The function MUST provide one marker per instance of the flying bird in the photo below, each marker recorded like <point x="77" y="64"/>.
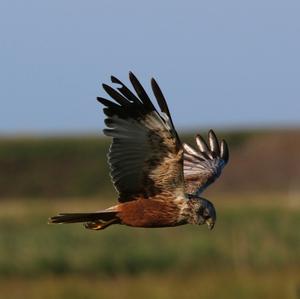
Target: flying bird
<point x="159" y="179"/>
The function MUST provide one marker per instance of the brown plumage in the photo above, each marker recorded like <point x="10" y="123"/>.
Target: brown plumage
<point x="158" y="178"/>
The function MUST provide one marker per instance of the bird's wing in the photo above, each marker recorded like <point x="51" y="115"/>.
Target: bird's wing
<point x="204" y="165"/>
<point x="146" y="156"/>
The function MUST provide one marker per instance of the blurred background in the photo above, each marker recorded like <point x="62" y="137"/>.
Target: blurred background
<point x="228" y="65"/>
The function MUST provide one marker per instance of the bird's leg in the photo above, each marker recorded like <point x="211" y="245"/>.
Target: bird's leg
<point x="98" y="225"/>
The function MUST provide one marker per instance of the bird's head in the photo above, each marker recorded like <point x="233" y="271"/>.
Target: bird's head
<point x="205" y="212"/>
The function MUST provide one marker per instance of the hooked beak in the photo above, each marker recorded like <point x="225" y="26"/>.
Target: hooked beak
<point x="210" y="223"/>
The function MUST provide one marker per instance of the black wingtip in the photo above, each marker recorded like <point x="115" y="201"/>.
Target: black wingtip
<point x="153" y="83"/>
<point x="131" y="76"/>
<point x="127" y="93"/>
<point x="104" y="86"/>
<point x="103" y="101"/>
<point x="224" y="151"/>
<point x="99" y="99"/>
<point x="115" y="80"/>
<point x="160" y="97"/>
<point x="119" y="98"/>
<point x="155" y="87"/>
<point x="213" y="142"/>
<point x="140" y="91"/>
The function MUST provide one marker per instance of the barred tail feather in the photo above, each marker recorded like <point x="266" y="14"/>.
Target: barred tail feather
<point x="96" y="221"/>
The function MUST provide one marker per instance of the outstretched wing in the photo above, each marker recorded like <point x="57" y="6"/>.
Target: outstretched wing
<point x="204" y="165"/>
<point x="145" y="157"/>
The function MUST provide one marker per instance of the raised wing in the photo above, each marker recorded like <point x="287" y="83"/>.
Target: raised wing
<point x="145" y="157"/>
<point x="204" y="165"/>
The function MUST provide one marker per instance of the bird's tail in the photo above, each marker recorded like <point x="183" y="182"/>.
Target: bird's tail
<point x="95" y="221"/>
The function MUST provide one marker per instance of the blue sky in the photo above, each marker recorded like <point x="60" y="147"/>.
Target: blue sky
<point x="220" y="64"/>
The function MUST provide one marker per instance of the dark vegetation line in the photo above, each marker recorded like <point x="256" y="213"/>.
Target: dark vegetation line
<point x="76" y="166"/>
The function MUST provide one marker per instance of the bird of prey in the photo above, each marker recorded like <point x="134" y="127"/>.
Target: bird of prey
<point x="159" y="179"/>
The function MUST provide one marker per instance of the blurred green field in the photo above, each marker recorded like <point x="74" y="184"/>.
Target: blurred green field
<point x="253" y="252"/>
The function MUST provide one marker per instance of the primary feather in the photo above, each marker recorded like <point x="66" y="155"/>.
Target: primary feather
<point x="204" y="165"/>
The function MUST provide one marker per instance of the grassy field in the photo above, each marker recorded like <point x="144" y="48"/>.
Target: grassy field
<point x="253" y="252"/>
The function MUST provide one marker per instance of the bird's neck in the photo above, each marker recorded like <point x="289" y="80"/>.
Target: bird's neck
<point x="188" y="211"/>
